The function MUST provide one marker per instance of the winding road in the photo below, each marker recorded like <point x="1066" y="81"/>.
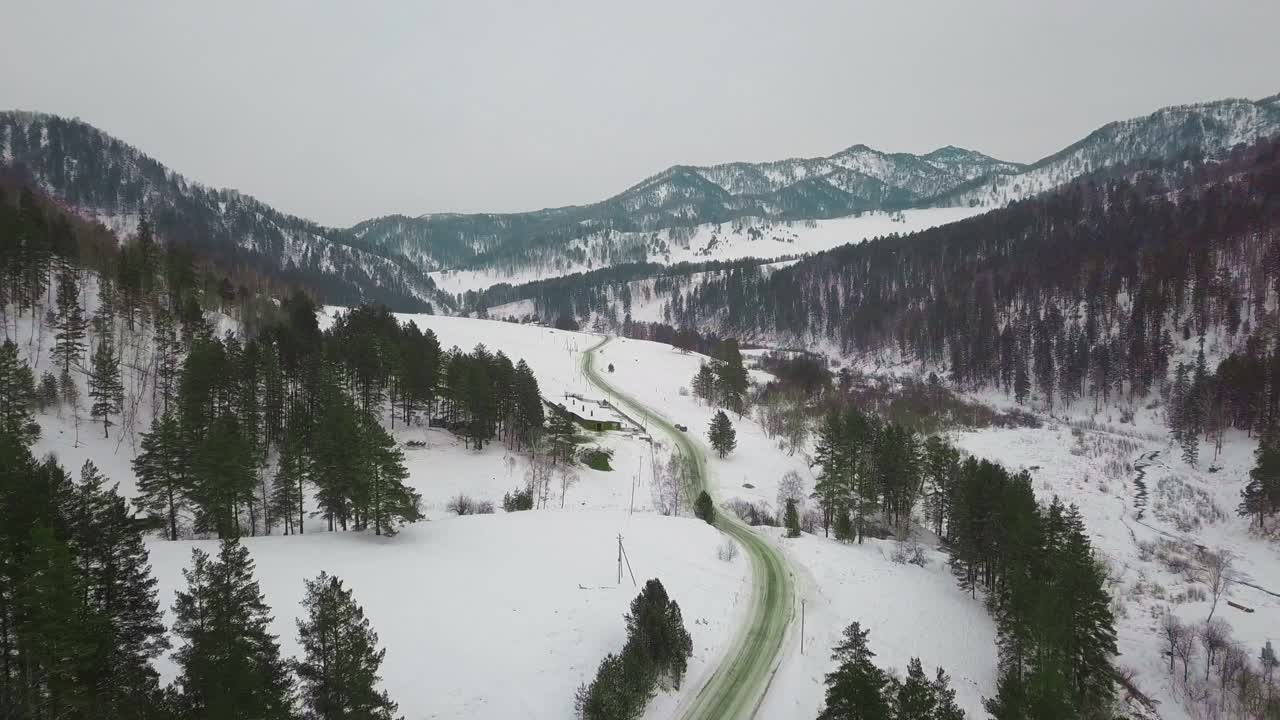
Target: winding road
<point x="738" y="685"/>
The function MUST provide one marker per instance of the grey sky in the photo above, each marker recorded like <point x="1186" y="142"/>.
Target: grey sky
<point x="343" y="111"/>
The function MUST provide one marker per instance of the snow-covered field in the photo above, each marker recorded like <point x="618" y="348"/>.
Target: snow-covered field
<point x="911" y="612"/>
<point x="749" y="238"/>
<point x="482" y="616"/>
<point x="497" y="616"/>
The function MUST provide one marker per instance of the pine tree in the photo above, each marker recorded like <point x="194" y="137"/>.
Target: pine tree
<point x="17" y="396"/>
<point x="704" y="382"/>
<point x="229" y="665"/>
<point x="69" y="323"/>
<point x="722" y="435"/>
<point x="704" y="509"/>
<point x="1261" y="495"/>
<point x="53" y="632"/>
<point x="47" y="394"/>
<point x="335" y="466"/>
<point x="731" y="376"/>
<point x="114" y="568"/>
<point x="791" y="518"/>
<point x="391" y="502"/>
<point x="563" y="436"/>
<point x="1021" y="381"/>
<point x="843" y="526"/>
<point x="914" y="697"/>
<point x="856" y="689"/>
<point x="163" y="478"/>
<point x="945" y="698"/>
<point x="293" y="472"/>
<point x="831" y="453"/>
<point x="339" y="670"/>
<point x="222" y="478"/>
<point x="1190" y="447"/>
<point x="104" y="383"/>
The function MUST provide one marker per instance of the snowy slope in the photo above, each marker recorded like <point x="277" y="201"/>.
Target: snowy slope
<point x="497" y="616"/>
<point x="740" y="239"/>
<point x="1209" y="128"/>
<point x="482" y="616"/>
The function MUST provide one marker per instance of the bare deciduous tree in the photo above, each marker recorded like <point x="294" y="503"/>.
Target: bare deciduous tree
<point x="1214" y="636"/>
<point x="538" y="477"/>
<point x="669" y="484"/>
<point x="791" y="487"/>
<point x="1185" y="649"/>
<point x="1172" y="629"/>
<point x="1218" y="575"/>
<point x="568" y="478"/>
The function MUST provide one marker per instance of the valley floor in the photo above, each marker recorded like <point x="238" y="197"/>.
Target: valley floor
<point x="505" y="615"/>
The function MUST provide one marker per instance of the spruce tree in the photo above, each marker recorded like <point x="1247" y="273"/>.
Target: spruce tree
<point x="229" y="665"/>
<point x="656" y="629"/>
<point x="704" y="509"/>
<point x="69" y="323"/>
<point x="732" y="380"/>
<point x="164" y="486"/>
<point x="721" y="434"/>
<point x="104" y="383"/>
<point x="791" y="518"/>
<point x="338" y="673"/>
<point x="856" y="688"/>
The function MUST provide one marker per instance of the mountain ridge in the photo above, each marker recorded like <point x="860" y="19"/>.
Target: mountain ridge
<point x="387" y="258"/>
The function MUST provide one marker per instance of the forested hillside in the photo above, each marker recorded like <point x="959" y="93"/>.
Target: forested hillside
<point x="101" y="178"/>
<point x="1094" y="291"/>
<point x="387" y="259"/>
<point x="249" y="420"/>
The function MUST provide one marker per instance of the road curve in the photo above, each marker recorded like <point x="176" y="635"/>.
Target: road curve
<point x="739" y="683"/>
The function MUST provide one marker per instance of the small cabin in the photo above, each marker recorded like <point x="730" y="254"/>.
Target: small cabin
<point x="587" y="415"/>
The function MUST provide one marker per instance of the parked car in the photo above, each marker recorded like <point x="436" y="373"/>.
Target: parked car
<point x="681" y="428"/>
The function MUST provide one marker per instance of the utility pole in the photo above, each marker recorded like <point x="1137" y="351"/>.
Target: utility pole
<point x="801" y="625"/>
<point x="622" y="556"/>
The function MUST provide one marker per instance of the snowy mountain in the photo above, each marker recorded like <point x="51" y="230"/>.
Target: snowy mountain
<point x="851" y="181"/>
<point x="1205" y="128"/>
<point x="391" y="258"/>
<point x="104" y="179"/>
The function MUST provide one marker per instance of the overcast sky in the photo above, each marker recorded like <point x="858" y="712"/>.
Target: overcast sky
<point x="343" y="111"/>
